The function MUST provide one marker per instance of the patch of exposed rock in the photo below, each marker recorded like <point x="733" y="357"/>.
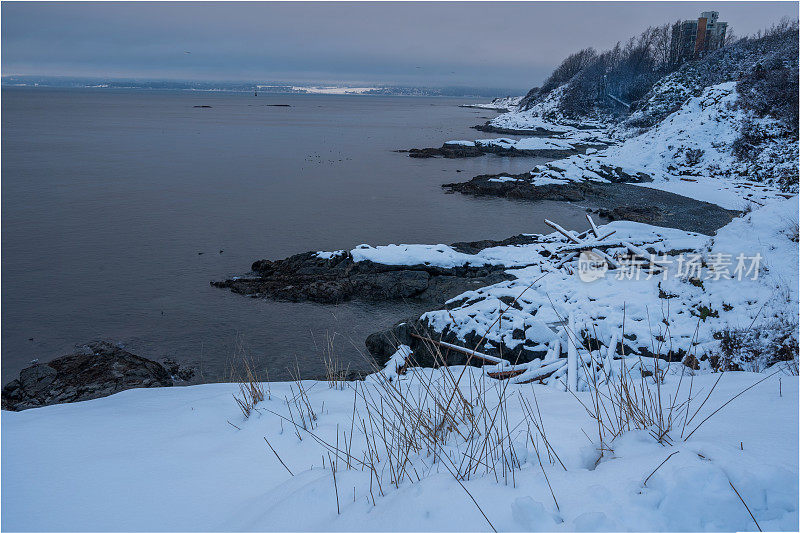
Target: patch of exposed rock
<point x="102" y="369"/>
<point x="646" y="214"/>
<point x="448" y="151"/>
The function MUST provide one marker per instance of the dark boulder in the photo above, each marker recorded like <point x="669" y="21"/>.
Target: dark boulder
<point x="100" y="370"/>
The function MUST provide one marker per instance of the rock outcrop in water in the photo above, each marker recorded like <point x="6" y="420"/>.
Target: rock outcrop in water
<point x="455" y="150"/>
<point x="101" y="370"/>
<point x="309" y="277"/>
<point x="448" y="151"/>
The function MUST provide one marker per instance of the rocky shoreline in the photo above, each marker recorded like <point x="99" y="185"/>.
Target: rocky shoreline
<point x="102" y="368"/>
<point x="382" y="345"/>
<point x="331" y="278"/>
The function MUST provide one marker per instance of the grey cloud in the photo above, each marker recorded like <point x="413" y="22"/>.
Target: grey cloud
<point x="512" y="44"/>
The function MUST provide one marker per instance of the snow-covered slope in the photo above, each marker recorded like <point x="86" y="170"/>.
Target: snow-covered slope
<point x="185" y="459"/>
<point x="705" y="288"/>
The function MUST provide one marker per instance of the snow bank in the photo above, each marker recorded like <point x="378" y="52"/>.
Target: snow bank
<point x="439" y="255"/>
<point x="528" y="143"/>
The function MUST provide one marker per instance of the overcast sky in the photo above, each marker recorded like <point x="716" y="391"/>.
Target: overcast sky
<point x="512" y="45"/>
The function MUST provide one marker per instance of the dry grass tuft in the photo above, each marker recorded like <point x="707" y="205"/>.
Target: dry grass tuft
<point x="243" y="371"/>
<point x="335" y="371"/>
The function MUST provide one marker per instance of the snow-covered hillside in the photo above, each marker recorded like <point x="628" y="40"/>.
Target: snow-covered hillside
<point x="690" y="152"/>
<point x="545" y="114"/>
<point x="728" y="64"/>
<point x="731" y="113"/>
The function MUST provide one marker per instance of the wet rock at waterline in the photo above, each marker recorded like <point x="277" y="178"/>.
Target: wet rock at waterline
<point x="101" y="369"/>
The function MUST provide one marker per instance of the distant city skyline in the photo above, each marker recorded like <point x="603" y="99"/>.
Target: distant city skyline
<point x="477" y="44"/>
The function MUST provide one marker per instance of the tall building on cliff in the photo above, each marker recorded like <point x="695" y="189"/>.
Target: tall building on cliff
<point x="694" y="38"/>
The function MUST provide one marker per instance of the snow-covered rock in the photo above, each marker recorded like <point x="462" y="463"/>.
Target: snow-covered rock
<point x="506" y="103"/>
<point x="705" y="288"/>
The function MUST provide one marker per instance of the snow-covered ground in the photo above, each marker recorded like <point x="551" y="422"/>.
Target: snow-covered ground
<point x="171" y="460"/>
<point x="745" y="276"/>
<point x="528" y="143"/>
<point x="440" y="255"/>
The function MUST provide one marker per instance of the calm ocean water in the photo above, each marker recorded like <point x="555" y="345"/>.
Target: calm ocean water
<point x="109" y="197"/>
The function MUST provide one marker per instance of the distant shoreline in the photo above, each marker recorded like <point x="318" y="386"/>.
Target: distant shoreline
<point x="250" y="88"/>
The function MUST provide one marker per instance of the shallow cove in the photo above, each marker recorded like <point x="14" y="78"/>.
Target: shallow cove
<point x="110" y="196"/>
